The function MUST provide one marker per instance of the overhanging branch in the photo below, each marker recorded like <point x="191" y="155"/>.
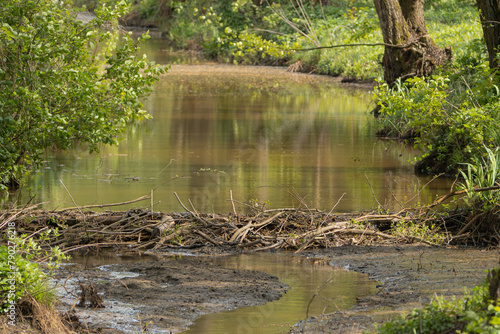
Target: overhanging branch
<point x="354" y="45"/>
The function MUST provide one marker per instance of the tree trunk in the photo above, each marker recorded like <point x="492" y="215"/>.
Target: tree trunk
<point x="409" y="50"/>
<point x="413" y="12"/>
<point x="489" y="14"/>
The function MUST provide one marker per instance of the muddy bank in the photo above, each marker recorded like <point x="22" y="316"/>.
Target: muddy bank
<point x="164" y="295"/>
<point x="169" y="294"/>
<point x="409" y="276"/>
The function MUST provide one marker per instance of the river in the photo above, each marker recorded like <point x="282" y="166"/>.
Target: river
<point x="271" y="138"/>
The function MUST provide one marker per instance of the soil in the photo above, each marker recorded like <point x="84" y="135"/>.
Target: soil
<point x="169" y="294"/>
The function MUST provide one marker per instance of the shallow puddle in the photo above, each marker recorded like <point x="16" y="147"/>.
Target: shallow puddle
<point x="316" y="288"/>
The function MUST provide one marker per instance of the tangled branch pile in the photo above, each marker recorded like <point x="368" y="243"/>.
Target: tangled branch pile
<point x="296" y="229"/>
<point x="142" y="229"/>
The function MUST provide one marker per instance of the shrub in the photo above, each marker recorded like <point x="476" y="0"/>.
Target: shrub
<point x="453" y="119"/>
<point x="21" y="273"/>
<point x="63" y="81"/>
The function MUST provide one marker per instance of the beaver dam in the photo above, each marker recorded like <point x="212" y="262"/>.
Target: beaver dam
<point x="277" y="229"/>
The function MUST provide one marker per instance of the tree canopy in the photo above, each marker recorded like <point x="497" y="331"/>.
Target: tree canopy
<point x="65" y="81"/>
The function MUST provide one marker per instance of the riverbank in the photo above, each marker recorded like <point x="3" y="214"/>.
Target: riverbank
<point x="162" y="293"/>
<point x="409" y="275"/>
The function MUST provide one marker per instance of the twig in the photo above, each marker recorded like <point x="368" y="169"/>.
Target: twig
<point x="184" y="207"/>
<point x="152" y="202"/>
<point x="476" y="217"/>
<point x="194" y="209"/>
<point x="11" y="218"/>
<point x="425" y="185"/>
<point x="195" y="215"/>
<point x="76" y="205"/>
<point x="316" y="294"/>
<point x="250" y="225"/>
<point x="373" y="193"/>
<point x="396" y="46"/>
<point x="460" y="192"/>
<point x="35" y="233"/>
<point x="142" y="198"/>
<point x="234" y="208"/>
<point x="121" y="233"/>
<point x="333" y="208"/>
<point x="245" y="204"/>
<point x="213" y="241"/>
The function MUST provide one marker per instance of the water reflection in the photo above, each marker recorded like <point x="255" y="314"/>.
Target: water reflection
<point x="266" y="134"/>
<point x="335" y="290"/>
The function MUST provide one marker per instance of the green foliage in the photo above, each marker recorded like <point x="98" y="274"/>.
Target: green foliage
<point x="483" y="173"/>
<point x="475" y="312"/>
<point x="29" y="279"/>
<point x="424" y="231"/>
<point x="20" y="271"/>
<point x="63" y="81"/>
<point x="454" y="116"/>
<point x="253" y="32"/>
<point x="227" y="30"/>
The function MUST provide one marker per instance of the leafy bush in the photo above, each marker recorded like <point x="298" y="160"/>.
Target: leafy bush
<point x="63" y="81"/>
<point x="20" y="271"/>
<point x="453" y="124"/>
<point x="29" y="279"/>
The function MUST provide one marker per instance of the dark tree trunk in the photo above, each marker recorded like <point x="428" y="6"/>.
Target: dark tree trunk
<point x="413" y="12"/>
<point x="409" y="50"/>
<point x="489" y="13"/>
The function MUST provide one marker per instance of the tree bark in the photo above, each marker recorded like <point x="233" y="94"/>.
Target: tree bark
<point x="409" y="50"/>
<point x="413" y="12"/>
<point x="489" y="14"/>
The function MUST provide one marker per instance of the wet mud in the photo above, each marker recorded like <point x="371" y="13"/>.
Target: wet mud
<point x="165" y="295"/>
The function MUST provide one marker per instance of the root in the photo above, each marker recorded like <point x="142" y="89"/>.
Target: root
<point x="43" y="318"/>
<point x="88" y="293"/>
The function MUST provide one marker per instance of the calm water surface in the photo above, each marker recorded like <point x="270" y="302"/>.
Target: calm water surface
<point x="271" y="137"/>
